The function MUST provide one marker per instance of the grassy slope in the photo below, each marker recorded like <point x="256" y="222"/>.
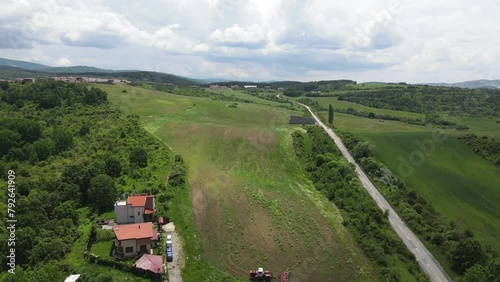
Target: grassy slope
<point x="460" y="184"/>
<point x="252" y="203"/>
<point x="336" y="104"/>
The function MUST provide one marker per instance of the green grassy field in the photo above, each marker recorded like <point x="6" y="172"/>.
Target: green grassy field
<point x="460" y="184"/>
<point x="240" y="94"/>
<point x="252" y="203"/>
<point x="336" y="104"/>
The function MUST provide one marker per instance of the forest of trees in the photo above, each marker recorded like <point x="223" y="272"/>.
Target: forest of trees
<point x="430" y="99"/>
<point x="335" y="178"/>
<point x="74" y="155"/>
<point x="460" y="247"/>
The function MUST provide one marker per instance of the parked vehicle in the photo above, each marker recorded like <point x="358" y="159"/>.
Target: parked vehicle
<point x="169" y="241"/>
<point x="170" y="256"/>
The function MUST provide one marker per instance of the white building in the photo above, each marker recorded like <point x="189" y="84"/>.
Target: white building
<point x="134" y="239"/>
<point x="136" y="209"/>
<point x="250" y="86"/>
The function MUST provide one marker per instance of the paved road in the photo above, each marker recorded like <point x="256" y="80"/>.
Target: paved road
<point x="174" y="267"/>
<point x="424" y="258"/>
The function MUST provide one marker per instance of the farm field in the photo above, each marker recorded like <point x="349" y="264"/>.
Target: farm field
<point x="336" y="104"/>
<point x="252" y="203"/>
<point x="460" y="184"/>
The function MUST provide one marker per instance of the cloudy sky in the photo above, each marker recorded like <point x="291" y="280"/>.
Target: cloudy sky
<point x="382" y="40"/>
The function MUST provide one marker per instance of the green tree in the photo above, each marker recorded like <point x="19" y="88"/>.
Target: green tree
<point x="84" y="130"/>
<point x="362" y="150"/>
<point x="330" y="114"/>
<point x="8" y="139"/>
<point x="139" y="156"/>
<point x="467" y="253"/>
<point x="4" y="85"/>
<point x="477" y="273"/>
<point x="66" y="210"/>
<point x="113" y="166"/>
<point x="63" y="139"/>
<point x="49" y="101"/>
<point x="44" y="148"/>
<point x="102" y="192"/>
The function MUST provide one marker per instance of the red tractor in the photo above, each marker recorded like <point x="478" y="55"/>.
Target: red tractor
<point x="260" y="275"/>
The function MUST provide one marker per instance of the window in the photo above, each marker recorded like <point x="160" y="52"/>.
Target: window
<point x="129" y="249"/>
<point x="131" y="216"/>
<point x="138" y="213"/>
<point x="143" y="248"/>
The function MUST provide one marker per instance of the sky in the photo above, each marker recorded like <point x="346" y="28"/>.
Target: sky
<point x="262" y="40"/>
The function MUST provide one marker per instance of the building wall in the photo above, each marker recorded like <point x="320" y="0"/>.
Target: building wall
<point x="128" y="243"/>
<point x="146" y="242"/>
<point x="121" y="212"/>
<point x="138" y="213"/>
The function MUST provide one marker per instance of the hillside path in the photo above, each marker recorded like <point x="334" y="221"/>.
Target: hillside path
<point x="424" y="258"/>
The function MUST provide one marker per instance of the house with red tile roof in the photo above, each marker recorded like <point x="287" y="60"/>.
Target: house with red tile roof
<point x="134" y="239"/>
<point x="136" y="209"/>
<point x="151" y="263"/>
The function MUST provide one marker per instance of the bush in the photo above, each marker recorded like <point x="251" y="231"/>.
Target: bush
<point x="139" y="156"/>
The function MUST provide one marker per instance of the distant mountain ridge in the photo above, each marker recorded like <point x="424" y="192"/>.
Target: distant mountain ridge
<point x="12" y="69"/>
<point x="482" y="83"/>
<point x="21" y="64"/>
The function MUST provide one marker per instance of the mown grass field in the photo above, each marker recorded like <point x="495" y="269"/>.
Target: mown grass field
<point x="252" y="203"/>
<point x="461" y="185"/>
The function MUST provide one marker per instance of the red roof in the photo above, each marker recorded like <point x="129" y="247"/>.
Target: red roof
<point x="133" y="231"/>
<point x="150" y="262"/>
<point x="137" y="201"/>
<point x="141" y="201"/>
<point x="147" y="211"/>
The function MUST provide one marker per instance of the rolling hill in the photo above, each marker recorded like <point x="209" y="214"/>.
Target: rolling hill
<point x="11" y="69"/>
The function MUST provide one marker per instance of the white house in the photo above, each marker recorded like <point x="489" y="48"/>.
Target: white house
<point x="134" y="239"/>
<point x="250" y="86"/>
<point x="137" y="209"/>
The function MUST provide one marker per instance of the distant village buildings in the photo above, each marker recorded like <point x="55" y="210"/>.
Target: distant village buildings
<point x="89" y="79"/>
<point x="74" y="79"/>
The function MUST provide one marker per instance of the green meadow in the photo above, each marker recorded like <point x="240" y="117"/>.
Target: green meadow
<point x="461" y="185"/>
<point x="252" y="204"/>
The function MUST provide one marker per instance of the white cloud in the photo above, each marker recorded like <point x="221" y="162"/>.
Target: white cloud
<point x="386" y="39"/>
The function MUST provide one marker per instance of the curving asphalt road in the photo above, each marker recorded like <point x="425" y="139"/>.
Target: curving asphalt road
<point x="424" y="258"/>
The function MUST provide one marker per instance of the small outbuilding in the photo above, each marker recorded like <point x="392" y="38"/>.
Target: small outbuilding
<point x="152" y="263"/>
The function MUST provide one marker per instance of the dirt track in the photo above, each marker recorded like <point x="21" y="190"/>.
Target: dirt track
<point x="174" y="267"/>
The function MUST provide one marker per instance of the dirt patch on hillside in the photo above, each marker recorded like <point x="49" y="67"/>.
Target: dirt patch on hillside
<point x="256" y="137"/>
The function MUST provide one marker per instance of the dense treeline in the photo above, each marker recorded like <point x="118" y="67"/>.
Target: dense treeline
<point x="322" y="85"/>
<point x="295" y="90"/>
<point x="486" y="147"/>
<point x="72" y="161"/>
<point x="334" y="176"/>
<point x="425" y="99"/>
<point x="460" y="247"/>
